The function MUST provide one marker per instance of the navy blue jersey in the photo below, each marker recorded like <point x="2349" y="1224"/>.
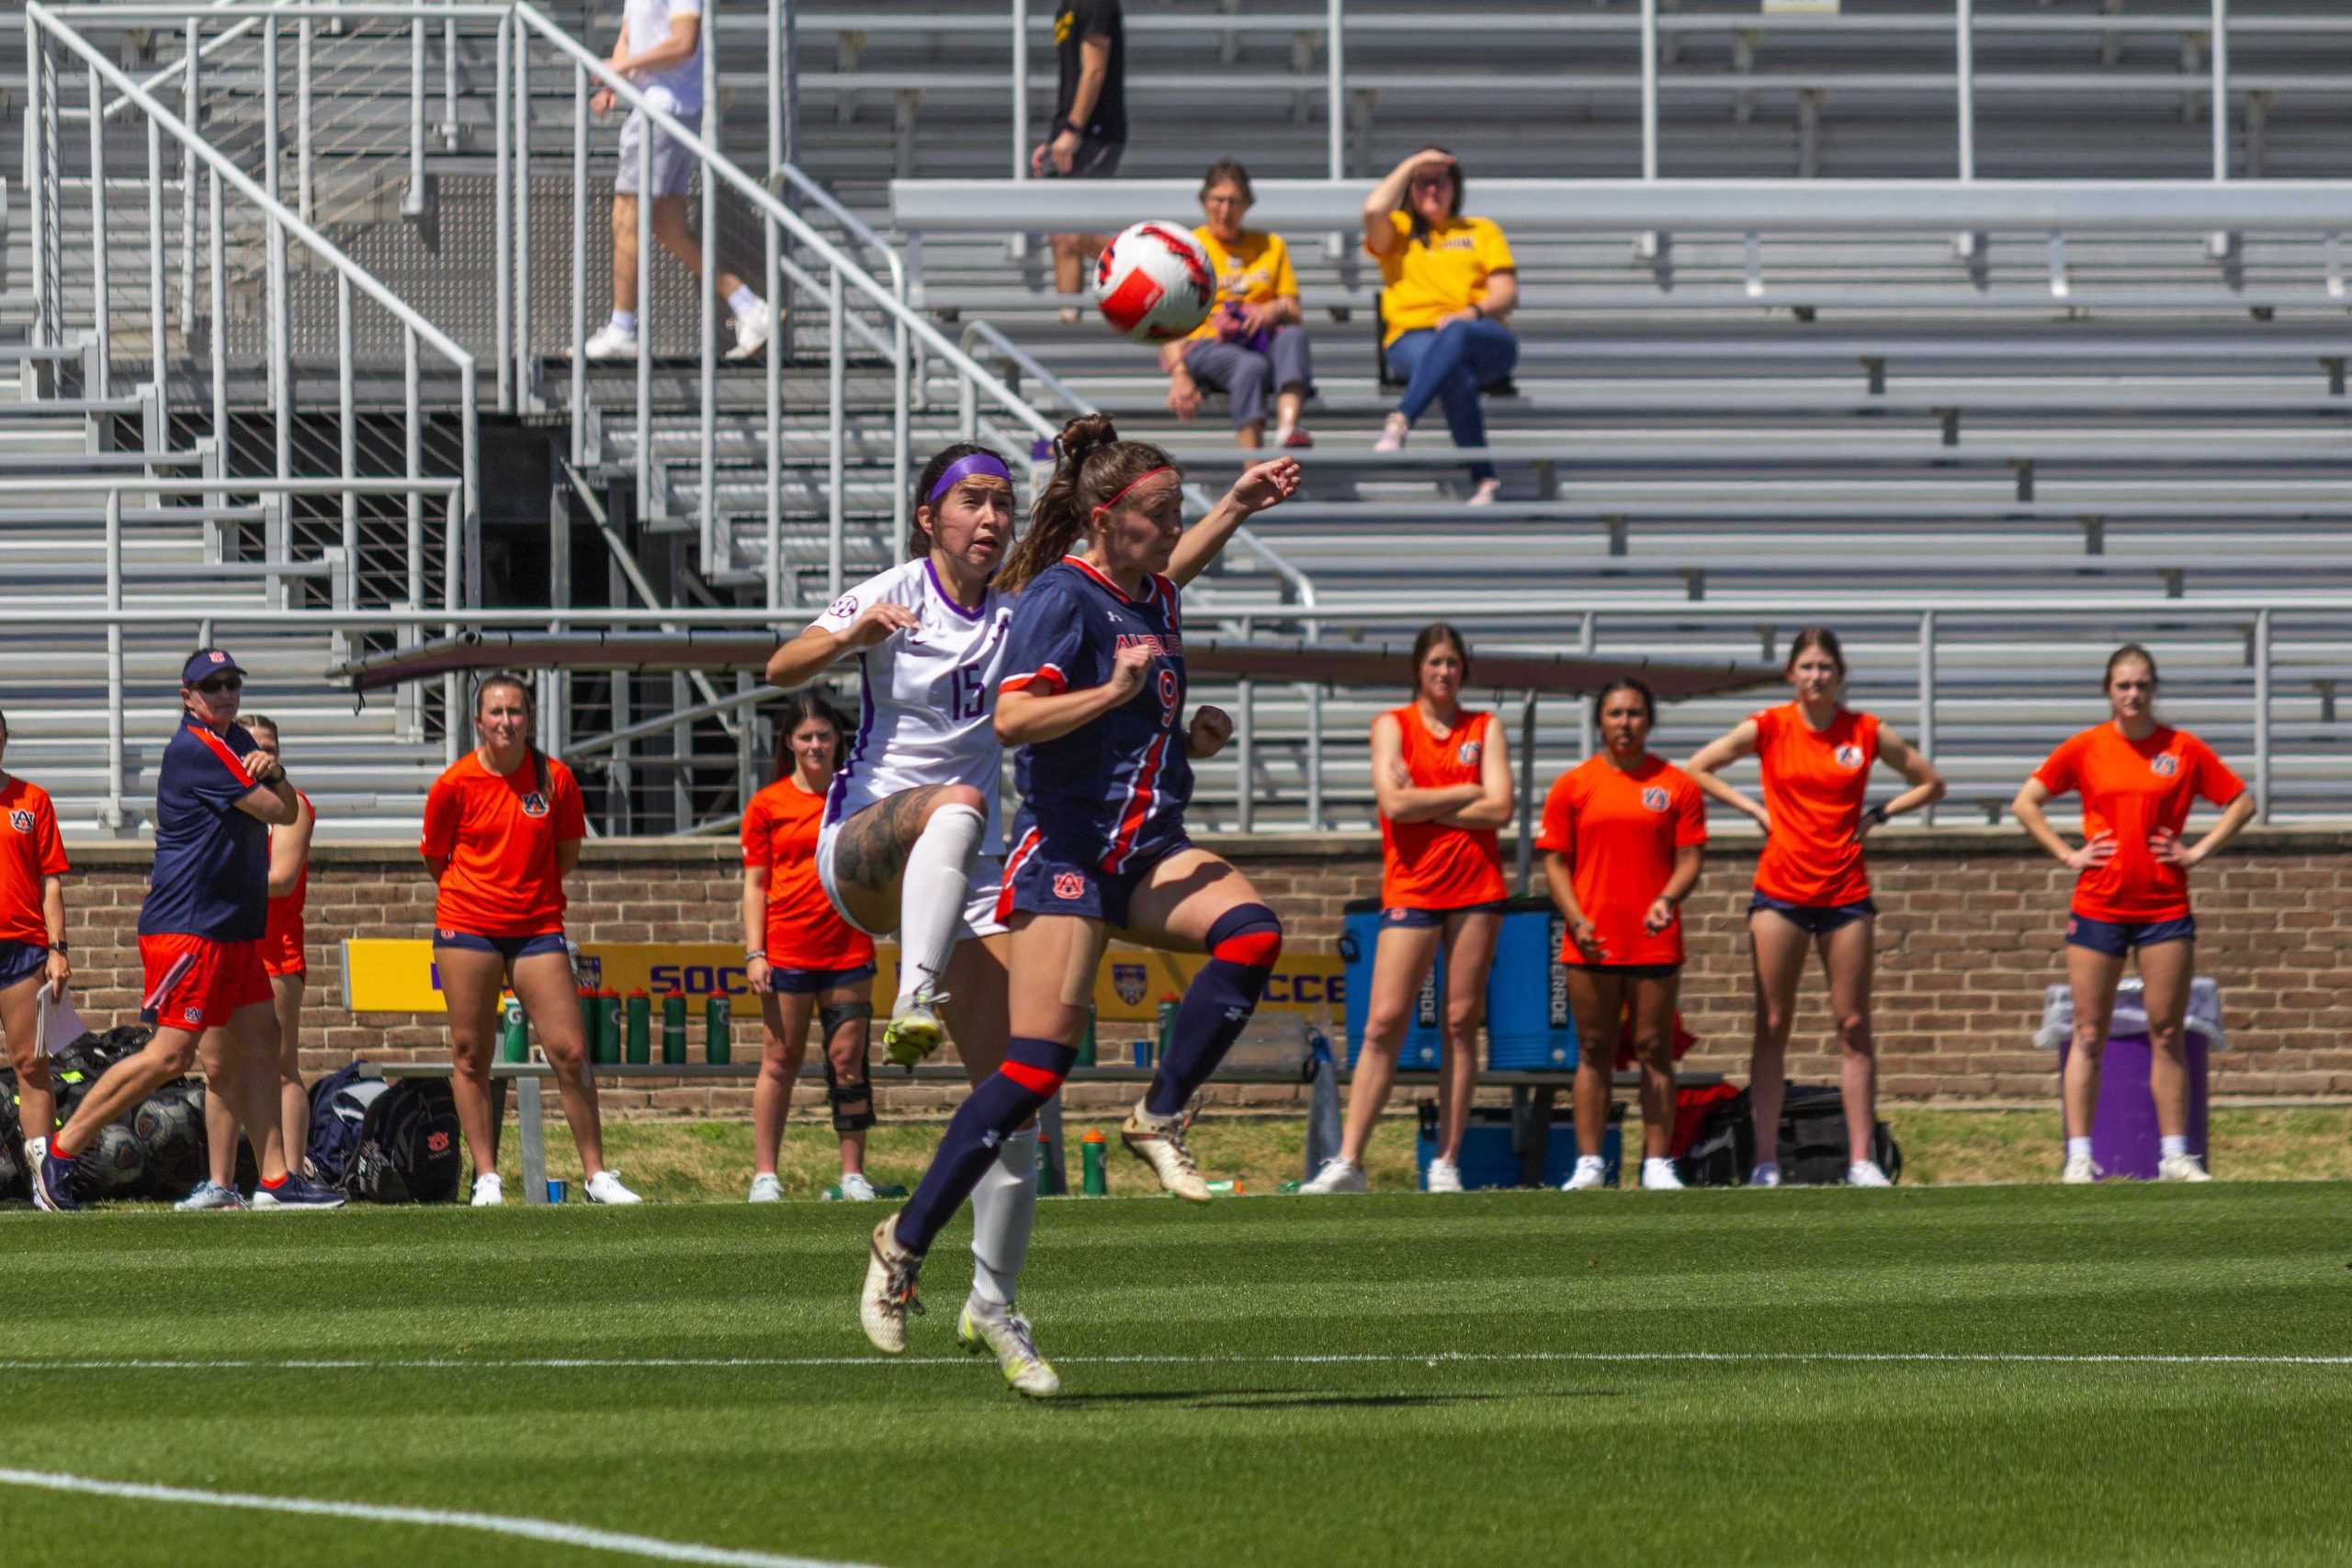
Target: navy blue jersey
<point x="1113" y="791"/>
<point x="211" y="875"/>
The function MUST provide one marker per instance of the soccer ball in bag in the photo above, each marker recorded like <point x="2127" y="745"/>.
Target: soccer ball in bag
<point x="1153" y="283"/>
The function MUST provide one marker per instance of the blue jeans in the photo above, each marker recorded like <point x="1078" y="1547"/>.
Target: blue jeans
<point x="1449" y="365"/>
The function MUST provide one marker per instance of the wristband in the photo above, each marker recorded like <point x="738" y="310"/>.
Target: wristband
<point x="760" y="952"/>
<point x="59" y="946"/>
<point x="1877" y="815"/>
<point x="1073" y="127"/>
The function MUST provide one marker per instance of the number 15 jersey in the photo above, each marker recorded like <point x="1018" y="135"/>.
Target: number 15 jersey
<point x="927" y="696"/>
<point x="1112" y="792"/>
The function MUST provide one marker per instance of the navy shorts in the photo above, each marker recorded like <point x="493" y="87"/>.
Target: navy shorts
<point x="1631" y="971"/>
<point x="1410" y="917"/>
<point x="1040" y="881"/>
<point x="808" y="981"/>
<point x="20" y="961"/>
<point x="510" y="948"/>
<point x="1815" y="919"/>
<point x="2118" y="938"/>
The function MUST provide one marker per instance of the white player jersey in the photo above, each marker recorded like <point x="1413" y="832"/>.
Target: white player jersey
<point x="927" y="696"/>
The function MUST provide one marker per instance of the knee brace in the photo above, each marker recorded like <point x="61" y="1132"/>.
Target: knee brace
<point x="831" y="1017"/>
<point x="852" y="1103"/>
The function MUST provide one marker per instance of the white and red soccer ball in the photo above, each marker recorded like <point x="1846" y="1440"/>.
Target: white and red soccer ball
<point x="1154" y="283"/>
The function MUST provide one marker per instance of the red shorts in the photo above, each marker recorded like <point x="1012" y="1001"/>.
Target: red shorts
<point x="219" y="978"/>
<point x="281" y="951"/>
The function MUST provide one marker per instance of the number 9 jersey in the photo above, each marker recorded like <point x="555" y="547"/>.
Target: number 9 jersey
<point x="1110" y="794"/>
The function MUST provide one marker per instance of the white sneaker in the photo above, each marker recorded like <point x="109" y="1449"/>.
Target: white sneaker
<point x="1159" y="1142"/>
<point x="855" y="1189"/>
<point x="1658" y="1176"/>
<point x="751" y="331"/>
<point x="766" y="1188"/>
<point x="608" y="342"/>
<point x="888" y="1296"/>
<point x="208" y="1195"/>
<point x="1591" y="1171"/>
<point x="2079" y="1171"/>
<point x="985" y="1324"/>
<point x="1392" y="433"/>
<point x="2182" y="1167"/>
<point x="1444" y="1177"/>
<point x="1765" y="1175"/>
<point x="914" y="1029"/>
<point x="489" y="1191"/>
<point x="1339" y="1175"/>
<point x="1488" y="492"/>
<point x="605" y="1187"/>
<point x="1866" y="1173"/>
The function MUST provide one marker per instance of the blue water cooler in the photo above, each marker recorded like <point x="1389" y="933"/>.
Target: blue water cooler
<point x="1359" y="937"/>
<point x="1529" y="1026"/>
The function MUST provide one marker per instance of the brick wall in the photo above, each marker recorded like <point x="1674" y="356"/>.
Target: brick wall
<point x="1969" y="935"/>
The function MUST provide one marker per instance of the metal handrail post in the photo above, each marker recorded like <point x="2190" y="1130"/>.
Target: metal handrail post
<point x="415" y="202"/>
<point x="99" y="247"/>
<point x="2262" y="714"/>
<point x="503" y="217"/>
<point x="1588" y="641"/>
<point x="113" y="816"/>
<point x="1244" y="732"/>
<point x="191" y="110"/>
<point x="645" y="324"/>
<point x="2218" y="56"/>
<point x="1335" y="89"/>
<point x="218" y="281"/>
<point x="772" y="290"/>
<point x="449" y="82"/>
<point x="1965" y="83"/>
<point x="1926" y="736"/>
<point x="836" y="385"/>
<point x="1650" y="89"/>
<point x="412" y="713"/>
<point x="303" y="189"/>
<point x="281" y="368"/>
<point x="39" y="147"/>
<point x="347" y="416"/>
<point x="1523" y="851"/>
<point x="576" y="331"/>
<point x="1020" y="89"/>
<point x="707" y="522"/>
<point x="524" y="359"/>
<point x="158" y="292"/>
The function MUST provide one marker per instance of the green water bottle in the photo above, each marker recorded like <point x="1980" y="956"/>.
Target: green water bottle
<point x="673" y="1028"/>
<point x="1096" y="1181"/>
<point x="608" y="1027"/>
<point x="718" y="1030"/>
<point x="1044" y="1164"/>
<point x="513" y="1032"/>
<point x="640" y="1029"/>
<point x="1086" y="1040"/>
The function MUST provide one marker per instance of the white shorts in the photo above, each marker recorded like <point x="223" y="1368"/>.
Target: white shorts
<point x="979" y="902"/>
<point x="674" y="163"/>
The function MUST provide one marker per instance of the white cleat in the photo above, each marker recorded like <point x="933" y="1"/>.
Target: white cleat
<point x="986" y="1325"/>
<point x="891" y="1272"/>
<point x="609" y="343"/>
<point x="2182" y="1167"/>
<point x="855" y="1189"/>
<point x="605" y="1187"/>
<point x="2079" y="1171"/>
<point x="1339" y="1174"/>
<point x="1444" y="1177"/>
<point x="1866" y="1173"/>
<point x="914" y="1029"/>
<point x="208" y="1195"/>
<point x="489" y="1191"/>
<point x="1591" y="1171"/>
<point x="1765" y="1175"/>
<point x="1658" y="1176"/>
<point x="752" y="329"/>
<point x="766" y="1188"/>
<point x="1159" y="1142"/>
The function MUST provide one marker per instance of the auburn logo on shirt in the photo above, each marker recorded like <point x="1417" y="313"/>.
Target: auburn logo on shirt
<point x="1849" y="755"/>
<point x="2164" y="763"/>
<point x="1654" y="798"/>
<point x="1469" y="751"/>
<point x="1069" y="885"/>
<point x="535" y="805"/>
<point x="21" y="820"/>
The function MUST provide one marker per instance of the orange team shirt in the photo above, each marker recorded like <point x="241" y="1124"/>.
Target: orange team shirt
<point x="499" y="835"/>
<point x="286" y="932"/>
<point x="1813" y="785"/>
<point x="30" y="851"/>
<point x="1620" y="831"/>
<point x="2131" y="788"/>
<point x="1428" y="865"/>
<point x="805" y="931"/>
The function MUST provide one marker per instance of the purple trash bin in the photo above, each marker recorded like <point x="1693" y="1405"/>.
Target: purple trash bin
<point x="2123" y="1127"/>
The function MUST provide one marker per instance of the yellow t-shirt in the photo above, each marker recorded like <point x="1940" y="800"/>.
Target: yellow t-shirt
<point x="1253" y="272"/>
<point x="1430" y="278"/>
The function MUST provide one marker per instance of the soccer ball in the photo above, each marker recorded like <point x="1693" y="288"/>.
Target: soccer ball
<point x="113" y="1165"/>
<point x="170" y="1129"/>
<point x="1154" y="284"/>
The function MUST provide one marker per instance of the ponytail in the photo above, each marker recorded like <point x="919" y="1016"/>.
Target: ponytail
<point x="1091" y="465"/>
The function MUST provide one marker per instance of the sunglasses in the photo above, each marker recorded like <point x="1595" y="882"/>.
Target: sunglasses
<point x="220" y="684"/>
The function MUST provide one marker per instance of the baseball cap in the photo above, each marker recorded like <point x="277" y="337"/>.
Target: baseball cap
<point x="206" y="663"/>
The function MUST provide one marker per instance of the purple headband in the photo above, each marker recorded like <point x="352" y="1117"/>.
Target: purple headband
<point x="963" y="467"/>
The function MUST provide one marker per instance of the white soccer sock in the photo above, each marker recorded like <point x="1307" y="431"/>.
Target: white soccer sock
<point x="743" y="301"/>
<point x="625" y="322"/>
<point x="931" y="896"/>
<point x="2173" y="1144"/>
<point x="2079" y="1148"/>
<point x="1004" y="1211"/>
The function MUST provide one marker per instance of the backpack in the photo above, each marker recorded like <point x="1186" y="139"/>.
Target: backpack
<point x="1714" y="1136"/>
<point x="14" y="1176"/>
<point x="385" y="1141"/>
<point x="1813" y="1139"/>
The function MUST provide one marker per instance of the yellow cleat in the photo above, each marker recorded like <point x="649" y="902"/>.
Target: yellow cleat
<point x="1008" y="1334"/>
<point x="914" y="1029"/>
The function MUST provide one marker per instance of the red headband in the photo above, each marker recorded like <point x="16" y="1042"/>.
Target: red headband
<point x="1131" y="484"/>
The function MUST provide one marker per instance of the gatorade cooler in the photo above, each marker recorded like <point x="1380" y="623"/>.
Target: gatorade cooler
<point x="1489" y="1158"/>
<point x="1529" y="1026"/>
<point x="1359" y="937"/>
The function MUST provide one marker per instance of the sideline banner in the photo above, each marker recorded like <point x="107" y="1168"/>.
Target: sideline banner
<point x="384" y="975"/>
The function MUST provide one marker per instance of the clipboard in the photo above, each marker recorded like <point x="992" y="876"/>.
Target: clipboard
<point x="55" y="1019"/>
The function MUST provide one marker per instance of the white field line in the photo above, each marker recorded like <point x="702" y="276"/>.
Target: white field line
<point x="1429" y="1359"/>
<point x="578" y="1537"/>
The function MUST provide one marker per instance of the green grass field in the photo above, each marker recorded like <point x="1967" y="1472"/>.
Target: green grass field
<point x="1799" y="1377"/>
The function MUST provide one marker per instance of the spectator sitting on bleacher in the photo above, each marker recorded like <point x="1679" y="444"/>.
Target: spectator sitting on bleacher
<point x="1447" y="284"/>
<point x="1254" y="340"/>
<point x="660" y="50"/>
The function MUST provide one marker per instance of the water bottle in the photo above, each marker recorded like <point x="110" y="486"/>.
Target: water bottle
<point x="718" y="1030"/>
<point x="1096" y="1181"/>
<point x="673" y="1028"/>
<point x="640" y="1029"/>
<point x="515" y="1031"/>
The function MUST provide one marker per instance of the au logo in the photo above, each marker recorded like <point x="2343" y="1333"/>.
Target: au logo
<point x="1069" y="885"/>
<point x="1130" y="980"/>
<point x="535" y="805"/>
<point x="1849" y="755"/>
<point x="21" y="820"/>
<point x="1654" y="798"/>
<point x="438" y="1143"/>
<point x="2164" y="763"/>
<point x="1469" y="752"/>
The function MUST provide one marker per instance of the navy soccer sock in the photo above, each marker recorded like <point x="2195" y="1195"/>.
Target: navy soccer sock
<point x="1243" y="945"/>
<point x="999" y="1105"/>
